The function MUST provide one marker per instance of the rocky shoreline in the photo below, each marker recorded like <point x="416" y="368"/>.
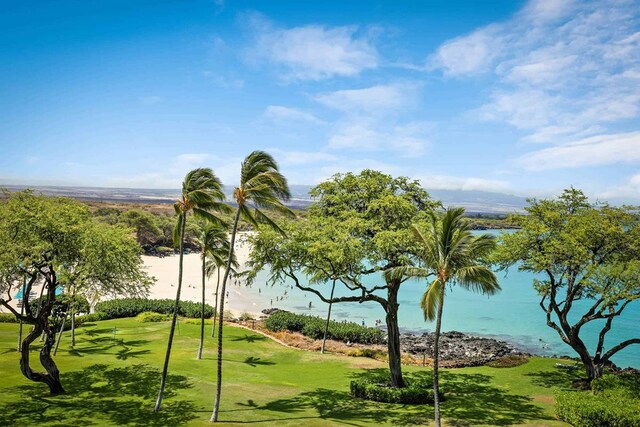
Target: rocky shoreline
<point x="458" y="349"/>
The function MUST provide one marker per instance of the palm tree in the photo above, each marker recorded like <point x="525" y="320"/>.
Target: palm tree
<point x="262" y="185"/>
<point x="201" y="195"/>
<point x="214" y="246"/>
<point x="217" y="258"/>
<point x="451" y="253"/>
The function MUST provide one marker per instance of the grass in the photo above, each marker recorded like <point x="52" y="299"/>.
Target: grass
<point x="113" y="379"/>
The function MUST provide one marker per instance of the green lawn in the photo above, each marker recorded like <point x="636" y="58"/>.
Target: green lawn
<point x="114" y="381"/>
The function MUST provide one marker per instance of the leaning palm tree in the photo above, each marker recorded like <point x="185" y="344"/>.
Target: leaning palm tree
<point x="217" y="258"/>
<point x="451" y="253"/>
<point x="202" y="196"/>
<point x="264" y="187"/>
<point x="214" y="246"/>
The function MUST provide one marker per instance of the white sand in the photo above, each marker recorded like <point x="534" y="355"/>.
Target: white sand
<point x="165" y="271"/>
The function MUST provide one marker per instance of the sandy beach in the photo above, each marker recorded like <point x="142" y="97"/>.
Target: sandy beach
<point x="165" y="271"/>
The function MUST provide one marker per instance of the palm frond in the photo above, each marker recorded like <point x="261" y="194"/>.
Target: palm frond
<point x="477" y="278"/>
<point x="402" y="272"/>
<point x="431" y="300"/>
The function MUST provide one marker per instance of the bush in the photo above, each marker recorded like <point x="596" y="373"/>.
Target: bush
<point x="377" y="388"/>
<point x="8" y="318"/>
<point x="313" y="327"/>
<point x="149" y="316"/>
<point x="614" y="402"/>
<point x="131" y="307"/>
<point x="246" y="316"/>
<point x="87" y="318"/>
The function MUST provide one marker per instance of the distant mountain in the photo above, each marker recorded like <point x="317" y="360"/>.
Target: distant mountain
<point x="472" y="201"/>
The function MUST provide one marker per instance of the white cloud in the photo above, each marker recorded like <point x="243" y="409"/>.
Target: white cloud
<point x="446" y="182"/>
<point x="382" y="97"/>
<point x="469" y="54"/>
<point x="630" y="191"/>
<point x="280" y="113"/>
<point x="591" y="151"/>
<point x="314" y="52"/>
<point x="302" y="157"/>
<point x="365" y="134"/>
<point x="564" y="70"/>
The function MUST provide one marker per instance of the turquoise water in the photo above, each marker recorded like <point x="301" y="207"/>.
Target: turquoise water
<point x="513" y="314"/>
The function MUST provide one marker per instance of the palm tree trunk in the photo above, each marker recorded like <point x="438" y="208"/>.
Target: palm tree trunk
<point x="73" y="329"/>
<point x="216" y="406"/>
<point x="202" y="311"/>
<point x="215" y="310"/>
<point x="64" y="320"/>
<point x="174" y="319"/>
<point x="436" y="361"/>
<point x="326" y="327"/>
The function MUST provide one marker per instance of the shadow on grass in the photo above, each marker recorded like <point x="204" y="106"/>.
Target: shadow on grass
<point x="250" y="338"/>
<point x="255" y="361"/>
<point x="561" y="378"/>
<point x="471" y="399"/>
<point x="108" y="345"/>
<point x="98" y="393"/>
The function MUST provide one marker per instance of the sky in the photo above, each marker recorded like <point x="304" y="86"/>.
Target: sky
<point x="519" y="97"/>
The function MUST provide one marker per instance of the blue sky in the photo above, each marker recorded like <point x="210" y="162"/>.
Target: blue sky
<point x="522" y="97"/>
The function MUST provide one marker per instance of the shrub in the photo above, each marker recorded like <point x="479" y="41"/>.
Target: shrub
<point x="510" y="361"/>
<point x="8" y="318"/>
<point x="149" y="316"/>
<point x="246" y="316"/>
<point x="131" y="307"/>
<point x="87" y="318"/>
<point x="613" y="403"/>
<point x="313" y="327"/>
<point x="377" y="388"/>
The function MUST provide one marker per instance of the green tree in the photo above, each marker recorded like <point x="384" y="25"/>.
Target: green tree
<point x="449" y="252"/>
<point x="202" y="196"/>
<point x="217" y="258"/>
<point x="44" y="240"/>
<point x="146" y="225"/>
<point x="588" y="260"/>
<point x="358" y="226"/>
<point x="263" y="187"/>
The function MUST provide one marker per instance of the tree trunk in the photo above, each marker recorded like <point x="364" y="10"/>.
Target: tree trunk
<point x="172" y="331"/>
<point x="202" y="311"/>
<point x="326" y="327"/>
<point x="215" y="310"/>
<point x="64" y="321"/>
<point x="216" y="406"/>
<point x="20" y="330"/>
<point x="52" y="376"/>
<point x="436" y="361"/>
<point x="73" y="329"/>
<point x="592" y="368"/>
<point x="393" y="336"/>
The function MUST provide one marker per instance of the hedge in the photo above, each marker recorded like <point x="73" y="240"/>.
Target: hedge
<point x="377" y="388"/>
<point x="131" y="307"/>
<point x="8" y="318"/>
<point x="313" y="327"/>
<point x="614" y="402"/>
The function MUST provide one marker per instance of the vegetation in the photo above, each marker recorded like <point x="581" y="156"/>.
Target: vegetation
<point x="314" y="327"/>
<point x="51" y="243"/>
<point x="377" y="388"/>
<point x="131" y="307"/>
<point x="614" y="402"/>
<point x="201" y="196"/>
<point x="112" y="381"/>
<point x="449" y="252"/>
<point x="358" y="226"/>
<point x="584" y="252"/>
<point x="263" y="186"/>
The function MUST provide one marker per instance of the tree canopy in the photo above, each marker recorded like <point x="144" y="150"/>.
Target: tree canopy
<point x="588" y="257"/>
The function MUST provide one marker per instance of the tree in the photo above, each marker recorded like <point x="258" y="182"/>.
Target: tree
<point x="214" y="246"/>
<point x="217" y="258"/>
<point x="357" y="227"/>
<point x="201" y="196"/>
<point x="264" y="187"/>
<point x="42" y="238"/>
<point x="450" y="252"/>
<point x="589" y="258"/>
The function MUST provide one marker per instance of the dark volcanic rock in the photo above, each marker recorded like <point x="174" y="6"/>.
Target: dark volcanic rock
<point x="457" y="348"/>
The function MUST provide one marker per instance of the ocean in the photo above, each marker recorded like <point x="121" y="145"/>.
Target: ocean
<point x="512" y="315"/>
